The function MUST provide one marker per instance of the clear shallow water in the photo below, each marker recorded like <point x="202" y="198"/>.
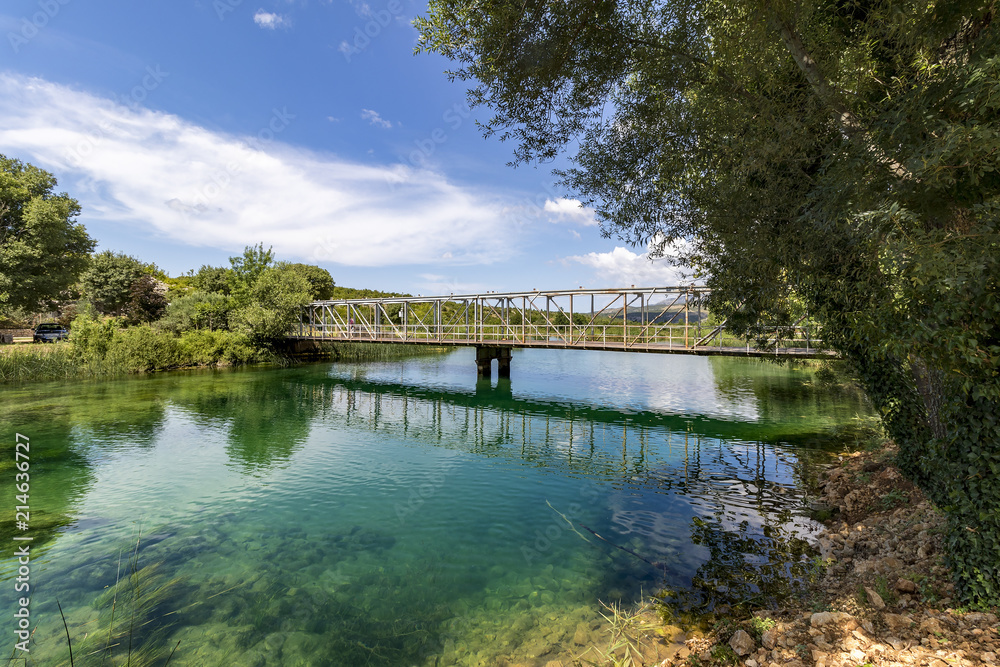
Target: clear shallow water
<point x="398" y="513"/>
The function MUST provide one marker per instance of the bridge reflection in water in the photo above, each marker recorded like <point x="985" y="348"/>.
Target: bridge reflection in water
<point x="662" y="477"/>
<point x="715" y="461"/>
<point x="671" y="320"/>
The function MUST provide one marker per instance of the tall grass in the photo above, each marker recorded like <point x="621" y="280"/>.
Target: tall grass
<point x="23" y="364"/>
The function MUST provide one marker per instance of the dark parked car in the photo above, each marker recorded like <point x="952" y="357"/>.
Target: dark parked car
<point x="50" y="332"/>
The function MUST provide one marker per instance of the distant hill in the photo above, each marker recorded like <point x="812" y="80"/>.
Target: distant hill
<point x="353" y="293"/>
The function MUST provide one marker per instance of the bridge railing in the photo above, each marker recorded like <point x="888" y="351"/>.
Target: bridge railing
<point x="610" y="336"/>
<point x="646" y="318"/>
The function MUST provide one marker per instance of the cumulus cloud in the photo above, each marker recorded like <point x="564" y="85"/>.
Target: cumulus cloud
<point x="137" y="167"/>
<point x="622" y="267"/>
<point x="270" y="21"/>
<point x="571" y="209"/>
<point x="374" y="118"/>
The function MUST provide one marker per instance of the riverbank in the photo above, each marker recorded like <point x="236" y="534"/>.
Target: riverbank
<point x="885" y="599"/>
<point x="111" y="352"/>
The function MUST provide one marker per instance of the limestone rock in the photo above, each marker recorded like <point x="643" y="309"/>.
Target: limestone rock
<point x="930" y="626"/>
<point x="770" y="639"/>
<point x="582" y="635"/>
<point x="742" y="643"/>
<point x="822" y="618"/>
<point x="905" y="586"/>
<point x="875" y="599"/>
<point x="896" y="621"/>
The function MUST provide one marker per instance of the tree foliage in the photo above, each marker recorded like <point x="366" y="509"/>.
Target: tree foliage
<point x="247" y="268"/>
<point x="108" y="281"/>
<point x="42" y="249"/>
<point x="840" y="158"/>
<point x="147" y="300"/>
<point x="320" y="281"/>
<point x="272" y="304"/>
<point x="211" y="279"/>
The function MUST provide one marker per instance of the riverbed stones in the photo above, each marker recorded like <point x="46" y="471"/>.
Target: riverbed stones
<point x="880" y="553"/>
<point x="742" y="643"/>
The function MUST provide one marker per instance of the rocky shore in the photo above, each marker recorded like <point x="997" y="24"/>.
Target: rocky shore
<point x="885" y="599"/>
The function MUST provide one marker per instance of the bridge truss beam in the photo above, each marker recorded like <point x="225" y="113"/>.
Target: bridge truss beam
<point x="649" y="319"/>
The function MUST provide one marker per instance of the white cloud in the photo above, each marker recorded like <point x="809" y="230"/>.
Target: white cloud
<point x="374" y="118"/>
<point x="270" y="21"/>
<point x="432" y="284"/>
<point x="137" y="167"/>
<point x="571" y="209"/>
<point x="621" y="267"/>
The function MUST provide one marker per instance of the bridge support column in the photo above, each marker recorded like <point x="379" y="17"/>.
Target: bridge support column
<point x="484" y="361"/>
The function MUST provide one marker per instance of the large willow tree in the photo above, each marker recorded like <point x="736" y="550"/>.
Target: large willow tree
<point x="840" y="156"/>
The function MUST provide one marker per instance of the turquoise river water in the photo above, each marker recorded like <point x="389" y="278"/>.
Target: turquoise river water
<point x="395" y="513"/>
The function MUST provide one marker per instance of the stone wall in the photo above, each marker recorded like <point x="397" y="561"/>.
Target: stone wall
<point x="7" y="335"/>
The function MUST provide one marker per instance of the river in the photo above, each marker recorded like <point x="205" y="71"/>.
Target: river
<point x="402" y="513"/>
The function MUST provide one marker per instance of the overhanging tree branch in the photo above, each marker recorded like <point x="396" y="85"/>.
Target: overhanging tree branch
<point x="852" y="127"/>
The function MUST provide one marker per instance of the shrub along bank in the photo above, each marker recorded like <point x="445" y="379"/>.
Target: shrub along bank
<point x="102" y="348"/>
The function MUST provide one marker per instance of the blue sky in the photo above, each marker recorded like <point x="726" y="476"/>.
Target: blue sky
<point x="191" y="128"/>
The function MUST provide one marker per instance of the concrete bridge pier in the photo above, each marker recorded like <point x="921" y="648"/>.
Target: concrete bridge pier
<point x="485" y="354"/>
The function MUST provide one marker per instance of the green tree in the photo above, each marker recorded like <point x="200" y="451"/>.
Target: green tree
<point x="212" y="279"/>
<point x="147" y="300"/>
<point x="842" y="157"/>
<point x="109" y="279"/>
<point x="320" y="281"/>
<point x="273" y="304"/>
<point x="247" y="268"/>
<point x="43" y="250"/>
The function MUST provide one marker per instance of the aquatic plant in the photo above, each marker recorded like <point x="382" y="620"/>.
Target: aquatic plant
<point x="132" y="617"/>
<point x="628" y="627"/>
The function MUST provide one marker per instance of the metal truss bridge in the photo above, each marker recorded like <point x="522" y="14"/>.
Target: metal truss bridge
<point x="666" y="320"/>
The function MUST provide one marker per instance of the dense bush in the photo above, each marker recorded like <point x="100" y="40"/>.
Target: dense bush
<point x="214" y="347"/>
<point x="102" y="347"/>
<point x="196" y="310"/>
